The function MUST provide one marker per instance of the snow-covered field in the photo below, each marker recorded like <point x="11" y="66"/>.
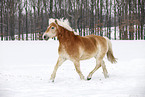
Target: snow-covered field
<point x="26" y="66"/>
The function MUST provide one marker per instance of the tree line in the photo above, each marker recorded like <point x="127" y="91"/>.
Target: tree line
<point x="24" y="17"/>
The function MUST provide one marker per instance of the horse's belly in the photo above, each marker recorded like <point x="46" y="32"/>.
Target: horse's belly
<point x="86" y="56"/>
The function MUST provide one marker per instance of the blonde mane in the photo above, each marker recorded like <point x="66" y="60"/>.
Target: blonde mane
<point x="61" y="22"/>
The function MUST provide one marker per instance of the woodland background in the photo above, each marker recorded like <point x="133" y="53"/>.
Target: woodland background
<point x="30" y="17"/>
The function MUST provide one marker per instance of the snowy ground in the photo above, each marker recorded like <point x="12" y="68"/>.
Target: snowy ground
<point x="26" y="66"/>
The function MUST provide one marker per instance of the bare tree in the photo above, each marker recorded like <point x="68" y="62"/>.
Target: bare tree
<point x="88" y="16"/>
<point x="45" y="2"/>
<point x="115" y="12"/>
<point x="131" y="24"/>
<point x="101" y="16"/>
<point x="26" y="18"/>
<point x="20" y="9"/>
<point x="12" y="5"/>
<point x="109" y="34"/>
<point x="142" y="18"/>
<point x="33" y="4"/>
<point x="119" y="17"/>
<point x="76" y="12"/>
<point x="92" y="16"/>
<point x="51" y="8"/>
<point x="1" y="23"/>
<point x="107" y="17"/>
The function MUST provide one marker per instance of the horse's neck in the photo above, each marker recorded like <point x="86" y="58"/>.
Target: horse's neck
<point x="66" y="37"/>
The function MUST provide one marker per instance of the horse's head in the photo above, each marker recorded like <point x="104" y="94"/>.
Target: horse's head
<point x="51" y="31"/>
<point x="55" y="26"/>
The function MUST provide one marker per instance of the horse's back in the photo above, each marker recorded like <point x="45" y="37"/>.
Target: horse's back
<point x="89" y="42"/>
<point x="101" y="42"/>
<point x="97" y="39"/>
<point x="90" y="45"/>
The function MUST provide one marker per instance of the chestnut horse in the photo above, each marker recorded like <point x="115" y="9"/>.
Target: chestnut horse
<point x="75" y="48"/>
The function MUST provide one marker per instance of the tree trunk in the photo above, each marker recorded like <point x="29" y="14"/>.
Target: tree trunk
<point x="20" y="21"/>
<point x="46" y="15"/>
<point x="139" y="16"/>
<point x="110" y="20"/>
<point x="107" y="19"/>
<point x="92" y="17"/>
<point x="51" y="7"/>
<point x="115" y="20"/>
<point x="34" y="37"/>
<point x="1" y="3"/>
<point x="119" y="19"/>
<point x="142" y="18"/>
<point x="7" y="23"/>
<point x="131" y="25"/>
<point x="26" y="20"/>
<point x="12" y="20"/>
<point x="31" y="24"/>
<point x="42" y="19"/>
<point x="98" y="17"/>
<point x="126" y="21"/>
<point x="101" y="19"/>
<point x="135" y="17"/>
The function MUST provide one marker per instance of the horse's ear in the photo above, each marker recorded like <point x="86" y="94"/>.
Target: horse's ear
<point x="56" y="21"/>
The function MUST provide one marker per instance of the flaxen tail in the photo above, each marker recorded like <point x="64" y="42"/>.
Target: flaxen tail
<point x="110" y="55"/>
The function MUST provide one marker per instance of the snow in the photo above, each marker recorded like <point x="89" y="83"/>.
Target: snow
<point x="26" y="66"/>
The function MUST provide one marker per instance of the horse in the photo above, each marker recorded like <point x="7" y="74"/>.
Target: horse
<point x="76" y="48"/>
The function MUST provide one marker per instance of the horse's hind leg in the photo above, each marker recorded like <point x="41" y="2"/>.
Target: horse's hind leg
<point x="104" y="69"/>
<point x="98" y="65"/>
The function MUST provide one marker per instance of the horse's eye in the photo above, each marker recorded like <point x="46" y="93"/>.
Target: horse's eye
<point x="52" y="28"/>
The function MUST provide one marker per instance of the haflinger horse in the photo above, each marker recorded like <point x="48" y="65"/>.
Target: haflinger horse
<point x="75" y="48"/>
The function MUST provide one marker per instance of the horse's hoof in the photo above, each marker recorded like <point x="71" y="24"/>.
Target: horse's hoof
<point x="51" y="81"/>
<point x="88" y="78"/>
<point x="107" y="76"/>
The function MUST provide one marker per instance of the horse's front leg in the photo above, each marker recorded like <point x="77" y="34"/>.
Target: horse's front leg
<point x="59" y="63"/>
<point x="77" y="66"/>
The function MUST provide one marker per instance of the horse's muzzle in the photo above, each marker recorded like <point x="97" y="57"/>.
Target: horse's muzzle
<point x="45" y="37"/>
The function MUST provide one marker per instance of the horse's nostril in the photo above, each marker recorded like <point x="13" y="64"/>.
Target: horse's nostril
<point x="44" y="37"/>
